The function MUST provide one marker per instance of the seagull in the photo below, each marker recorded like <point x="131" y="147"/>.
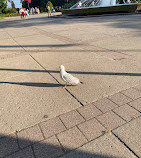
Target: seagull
<point x="68" y="78"/>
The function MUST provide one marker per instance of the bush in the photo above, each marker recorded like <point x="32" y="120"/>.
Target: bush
<point x="43" y="9"/>
<point x="10" y="10"/>
<point x="9" y="14"/>
<point x="50" y="4"/>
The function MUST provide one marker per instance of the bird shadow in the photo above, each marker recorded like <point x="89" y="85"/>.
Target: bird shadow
<point x="37" y="84"/>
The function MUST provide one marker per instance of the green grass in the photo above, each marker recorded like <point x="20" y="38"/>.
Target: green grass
<point x="8" y="15"/>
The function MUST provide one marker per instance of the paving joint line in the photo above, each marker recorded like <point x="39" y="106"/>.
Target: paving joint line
<point x="134" y="107"/>
<point x="18" y="141"/>
<point x="16" y="41"/>
<point x="80" y="114"/>
<point x="57" y="80"/>
<point x="82" y="133"/>
<point x="41" y="131"/>
<point x="64" y="152"/>
<point x="33" y="151"/>
<point x="118" y="115"/>
<point x="63" y="123"/>
<point x="125" y="145"/>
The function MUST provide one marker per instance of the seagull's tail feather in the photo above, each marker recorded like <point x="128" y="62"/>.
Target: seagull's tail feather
<point x="82" y="82"/>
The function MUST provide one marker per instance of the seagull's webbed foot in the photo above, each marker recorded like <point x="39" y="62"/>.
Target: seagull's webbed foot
<point x="65" y="86"/>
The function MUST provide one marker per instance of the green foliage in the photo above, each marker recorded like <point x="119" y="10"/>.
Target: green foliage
<point x="23" y="4"/>
<point x="9" y="14"/>
<point x="10" y="10"/>
<point x="3" y="6"/>
<point x="12" y="4"/>
<point x="50" y="4"/>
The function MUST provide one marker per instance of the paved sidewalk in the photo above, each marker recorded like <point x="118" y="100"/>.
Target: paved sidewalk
<point x="100" y="118"/>
<point x="98" y="129"/>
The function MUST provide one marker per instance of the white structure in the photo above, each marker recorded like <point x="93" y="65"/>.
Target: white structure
<point x="93" y="3"/>
<point x="107" y="2"/>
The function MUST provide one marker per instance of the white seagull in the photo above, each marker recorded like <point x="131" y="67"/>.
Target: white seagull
<point x="68" y="78"/>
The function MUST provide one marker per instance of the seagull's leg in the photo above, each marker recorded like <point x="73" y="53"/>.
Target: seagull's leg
<point x="65" y="86"/>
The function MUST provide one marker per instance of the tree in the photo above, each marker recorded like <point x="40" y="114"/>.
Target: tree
<point x="12" y="5"/>
<point x="50" y="4"/>
<point x="3" y="6"/>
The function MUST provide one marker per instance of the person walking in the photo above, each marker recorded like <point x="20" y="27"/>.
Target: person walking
<point x="48" y="10"/>
<point x="21" y="11"/>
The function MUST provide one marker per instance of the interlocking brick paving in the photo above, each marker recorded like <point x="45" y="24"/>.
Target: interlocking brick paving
<point x="110" y="120"/>
<point x="127" y="112"/>
<point x="29" y="136"/>
<point x="105" y="105"/>
<point x="49" y="148"/>
<point x="71" y="138"/>
<point x="52" y="138"/>
<point x="8" y="145"/>
<point x="71" y="119"/>
<point x="89" y="111"/>
<point x="136" y="104"/>
<point x="132" y="93"/>
<point x="52" y="126"/>
<point x="119" y="99"/>
<point x="91" y="129"/>
<point x="25" y="153"/>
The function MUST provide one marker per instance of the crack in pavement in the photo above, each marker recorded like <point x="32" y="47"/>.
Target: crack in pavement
<point x="57" y="80"/>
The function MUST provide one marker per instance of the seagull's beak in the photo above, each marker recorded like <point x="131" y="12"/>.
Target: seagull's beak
<point x="58" y="68"/>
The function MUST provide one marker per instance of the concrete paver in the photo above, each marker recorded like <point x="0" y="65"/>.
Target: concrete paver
<point x="89" y="111"/>
<point x="106" y="146"/>
<point x="71" y="119"/>
<point x="91" y="129"/>
<point x="132" y="93"/>
<point x="105" y="105"/>
<point x="30" y="135"/>
<point x="120" y="99"/>
<point x="8" y="145"/>
<point x="130" y="134"/>
<point x="49" y="148"/>
<point x="136" y="104"/>
<point x="51" y="127"/>
<point x="110" y="120"/>
<point x="71" y="139"/>
<point x="127" y="112"/>
<point x="26" y="152"/>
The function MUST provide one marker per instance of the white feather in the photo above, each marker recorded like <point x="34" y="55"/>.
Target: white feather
<point x="68" y="78"/>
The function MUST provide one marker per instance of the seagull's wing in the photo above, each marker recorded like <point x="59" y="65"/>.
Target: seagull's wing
<point x="68" y="78"/>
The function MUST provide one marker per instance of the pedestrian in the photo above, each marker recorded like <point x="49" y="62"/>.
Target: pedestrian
<point x="22" y="13"/>
<point x="53" y="10"/>
<point x="38" y="10"/>
<point x="48" y="10"/>
<point x="128" y="1"/>
<point x="26" y="12"/>
<point x="92" y="3"/>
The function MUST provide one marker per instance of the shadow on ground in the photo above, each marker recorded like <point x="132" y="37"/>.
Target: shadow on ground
<point x="118" y="21"/>
<point x="36" y="84"/>
<point x="46" y="45"/>
<point x="49" y="148"/>
<point x="75" y="72"/>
